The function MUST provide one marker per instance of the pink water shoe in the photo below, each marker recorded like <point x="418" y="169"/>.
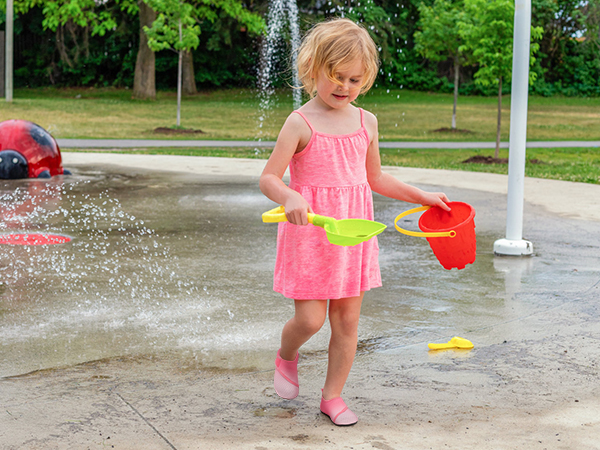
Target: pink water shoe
<point x="286" y="377"/>
<point x="338" y="412"/>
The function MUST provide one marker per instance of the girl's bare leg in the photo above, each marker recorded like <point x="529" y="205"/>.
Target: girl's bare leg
<point x="343" y="317"/>
<point x="308" y="319"/>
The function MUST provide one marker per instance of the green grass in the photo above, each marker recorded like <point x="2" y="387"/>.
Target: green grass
<point x="410" y="116"/>
<point x="403" y="116"/>
<point x="568" y="164"/>
<point x="234" y="114"/>
<point x="111" y="113"/>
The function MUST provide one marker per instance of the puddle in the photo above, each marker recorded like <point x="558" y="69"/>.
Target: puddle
<point x="276" y="412"/>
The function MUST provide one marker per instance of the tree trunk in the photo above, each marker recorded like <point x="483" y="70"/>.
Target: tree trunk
<point x="189" y="81"/>
<point x="144" y="82"/>
<point x="61" y="47"/>
<point x="496" y="154"/>
<point x="456" y="80"/>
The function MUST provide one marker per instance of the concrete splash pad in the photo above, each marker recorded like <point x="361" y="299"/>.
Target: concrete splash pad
<point x="176" y="366"/>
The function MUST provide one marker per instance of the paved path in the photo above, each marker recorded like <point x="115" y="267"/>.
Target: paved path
<point x="560" y="197"/>
<point x="135" y="143"/>
<point x="531" y="382"/>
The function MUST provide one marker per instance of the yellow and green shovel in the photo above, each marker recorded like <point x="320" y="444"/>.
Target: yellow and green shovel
<point x="345" y="232"/>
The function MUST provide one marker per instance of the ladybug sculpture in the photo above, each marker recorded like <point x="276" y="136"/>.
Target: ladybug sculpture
<point x="28" y="151"/>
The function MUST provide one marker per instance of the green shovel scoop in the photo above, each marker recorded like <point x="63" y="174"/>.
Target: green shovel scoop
<point x="345" y="232"/>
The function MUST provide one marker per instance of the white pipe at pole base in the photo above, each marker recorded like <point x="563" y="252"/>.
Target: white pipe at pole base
<point x="514" y="244"/>
<point x="513" y="247"/>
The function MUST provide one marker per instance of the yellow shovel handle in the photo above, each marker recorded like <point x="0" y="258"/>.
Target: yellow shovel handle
<point x="278" y="215"/>
<point x="451" y="233"/>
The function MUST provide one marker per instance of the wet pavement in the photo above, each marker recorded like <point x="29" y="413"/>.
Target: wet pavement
<point x="155" y="327"/>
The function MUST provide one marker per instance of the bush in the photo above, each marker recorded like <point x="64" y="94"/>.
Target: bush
<point x="228" y="57"/>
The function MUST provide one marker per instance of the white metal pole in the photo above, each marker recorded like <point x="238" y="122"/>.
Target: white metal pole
<point x="8" y="68"/>
<point x="514" y="243"/>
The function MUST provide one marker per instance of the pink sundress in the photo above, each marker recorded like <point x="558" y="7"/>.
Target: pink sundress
<point x="330" y="173"/>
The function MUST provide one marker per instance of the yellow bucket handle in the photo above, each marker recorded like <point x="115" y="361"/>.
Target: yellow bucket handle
<point x="278" y="215"/>
<point x="450" y="233"/>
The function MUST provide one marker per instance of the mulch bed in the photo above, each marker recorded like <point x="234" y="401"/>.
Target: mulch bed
<point x="451" y="130"/>
<point x="172" y="131"/>
<point x="479" y="159"/>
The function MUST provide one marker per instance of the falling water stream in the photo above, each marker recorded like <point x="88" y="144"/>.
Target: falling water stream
<point x="282" y="20"/>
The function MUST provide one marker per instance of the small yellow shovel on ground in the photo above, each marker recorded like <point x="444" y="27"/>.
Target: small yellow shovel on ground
<point x="455" y="342"/>
<point x="345" y="232"/>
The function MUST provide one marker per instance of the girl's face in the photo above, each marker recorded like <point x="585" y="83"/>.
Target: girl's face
<point x="335" y="95"/>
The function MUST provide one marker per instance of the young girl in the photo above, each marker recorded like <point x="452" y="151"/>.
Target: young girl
<point x="332" y="151"/>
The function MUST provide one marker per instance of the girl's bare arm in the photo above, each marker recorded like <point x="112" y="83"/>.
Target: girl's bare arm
<point x="292" y="137"/>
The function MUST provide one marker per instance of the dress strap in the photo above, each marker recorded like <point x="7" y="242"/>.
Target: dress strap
<point x="362" y="117"/>
<point x="306" y="120"/>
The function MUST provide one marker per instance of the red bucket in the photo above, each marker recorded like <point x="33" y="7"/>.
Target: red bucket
<point x="451" y="234"/>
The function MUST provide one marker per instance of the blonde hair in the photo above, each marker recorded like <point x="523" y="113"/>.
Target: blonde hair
<point x="331" y="45"/>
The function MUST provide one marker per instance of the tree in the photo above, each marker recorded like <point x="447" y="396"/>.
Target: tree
<point x="177" y="27"/>
<point x="439" y="38"/>
<point x="144" y="79"/>
<point x="562" y="21"/>
<point x="490" y="37"/>
<point x="74" y="19"/>
<point x="570" y="47"/>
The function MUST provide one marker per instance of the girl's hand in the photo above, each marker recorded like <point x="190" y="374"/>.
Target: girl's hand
<point x="297" y="209"/>
<point x="436" y="199"/>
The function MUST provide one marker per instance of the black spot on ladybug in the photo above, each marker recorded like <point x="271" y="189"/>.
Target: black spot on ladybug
<point x="41" y="136"/>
